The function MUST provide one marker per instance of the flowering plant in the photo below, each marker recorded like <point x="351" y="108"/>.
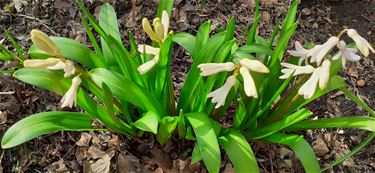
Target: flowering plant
<point x="134" y="92"/>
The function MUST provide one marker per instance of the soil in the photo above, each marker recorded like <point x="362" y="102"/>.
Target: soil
<point x="81" y="152"/>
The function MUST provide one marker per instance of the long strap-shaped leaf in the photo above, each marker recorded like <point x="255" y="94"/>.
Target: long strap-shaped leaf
<point x="44" y="123"/>
<point x="239" y="151"/>
<point x="127" y="90"/>
<point x="55" y="82"/>
<point x="283" y="123"/>
<point x="360" y="122"/>
<point x="207" y="141"/>
<point x="300" y="147"/>
<point x="108" y="21"/>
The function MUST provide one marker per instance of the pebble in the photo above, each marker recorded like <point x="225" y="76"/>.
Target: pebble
<point x="361" y="83"/>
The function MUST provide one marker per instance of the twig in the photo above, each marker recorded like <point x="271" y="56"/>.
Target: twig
<point x="7" y="93"/>
<point x="38" y="20"/>
<point x="368" y="18"/>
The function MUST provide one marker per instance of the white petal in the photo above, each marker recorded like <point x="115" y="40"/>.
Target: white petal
<point x="362" y="44"/>
<point x="143" y="48"/>
<point x="70" y="97"/>
<point x="249" y="84"/>
<point x="299" y="51"/>
<point x="318" y="54"/>
<point x="286" y="73"/>
<point x="59" y="66"/>
<point x="347" y="53"/>
<point x="307" y="69"/>
<point x="254" y="65"/>
<point x="323" y="74"/>
<point x="208" y="69"/>
<point x="219" y="96"/>
<point x="165" y="22"/>
<point x="309" y="87"/>
<point x="147" y="66"/>
<point x="69" y="68"/>
<point x="40" y="63"/>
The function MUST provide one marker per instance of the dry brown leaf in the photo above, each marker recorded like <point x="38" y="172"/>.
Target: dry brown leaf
<point x="95" y="153"/>
<point x="84" y="140"/>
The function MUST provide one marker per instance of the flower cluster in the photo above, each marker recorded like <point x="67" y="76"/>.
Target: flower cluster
<point x="44" y="43"/>
<point x="244" y="67"/>
<point x="158" y="34"/>
<point x="317" y="56"/>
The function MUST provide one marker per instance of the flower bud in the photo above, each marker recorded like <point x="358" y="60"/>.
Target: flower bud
<point x="44" y="43"/>
<point x="40" y="63"/>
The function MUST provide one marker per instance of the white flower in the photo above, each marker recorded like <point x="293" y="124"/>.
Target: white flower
<point x="346" y="53"/>
<point x="319" y="76"/>
<point x="208" y="69"/>
<point x="147" y="66"/>
<point x="318" y="54"/>
<point x="290" y="68"/>
<point x="40" y="63"/>
<point x="362" y="44"/>
<point x="249" y="84"/>
<point x="218" y="96"/>
<point x="70" y="97"/>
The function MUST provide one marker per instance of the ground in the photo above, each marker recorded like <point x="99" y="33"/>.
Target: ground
<point x="81" y="152"/>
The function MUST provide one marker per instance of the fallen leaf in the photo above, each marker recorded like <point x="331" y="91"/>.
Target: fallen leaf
<point x="3" y="117"/>
<point x="127" y="163"/>
<point x="95" y="153"/>
<point x="18" y="4"/>
<point x="161" y="159"/>
<point x="84" y="140"/>
<point x="320" y="147"/>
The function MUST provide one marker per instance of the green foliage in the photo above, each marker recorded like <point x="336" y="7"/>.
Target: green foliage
<point x="113" y="90"/>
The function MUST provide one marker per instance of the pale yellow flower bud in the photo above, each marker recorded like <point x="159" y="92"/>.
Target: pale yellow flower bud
<point x="40" y="63"/>
<point x="44" y="43"/>
<point x="148" y="29"/>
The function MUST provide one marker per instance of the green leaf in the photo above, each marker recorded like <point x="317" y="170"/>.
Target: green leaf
<point x="230" y="29"/>
<point x="185" y="40"/>
<point x="167" y="125"/>
<point x="71" y="49"/>
<point x="359" y="122"/>
<point x="207" y="141"/>
<point x="281" y="124"/>
<point x="196" y="155"/>
<point x="290" y="17"/>
<point x="181" y="126"/>
<point x="202" y="37"/>
<point x="131" y="92"/>
<point x="240" y="115"/>
<point x="166" y="5"/>
<point x="44" y="123"/>
<point x="300" y="147"/>
<point x="239" y="151"/>
<point x="149" y="122"/>
<point x="108" y="22"/>
<point x="55" y="81"/>
<point x="92" y="38"/>
<point x="252" y="31"/>
<point x="255" y="48"/>
<point x="16" y="45"/>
